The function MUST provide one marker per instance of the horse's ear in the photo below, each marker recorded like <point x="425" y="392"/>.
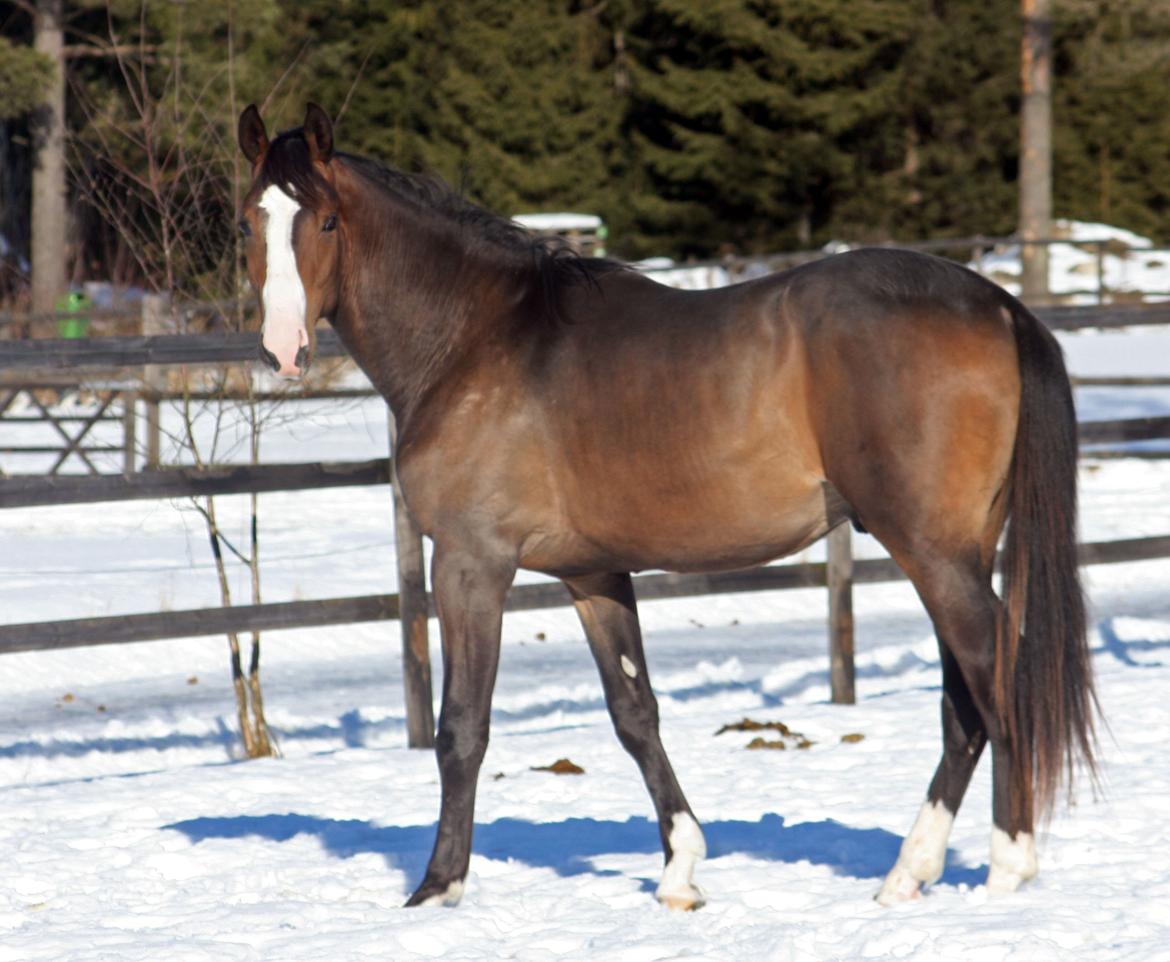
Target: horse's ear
<point x="252" y="136"/>
<point x="318" y="134"/>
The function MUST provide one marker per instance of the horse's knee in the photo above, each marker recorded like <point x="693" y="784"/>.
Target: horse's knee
<point x="459" y="746"/>
<point x="635" y="722"/>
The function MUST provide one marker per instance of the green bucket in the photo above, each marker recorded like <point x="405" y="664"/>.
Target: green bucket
<point x="73" y="303"/>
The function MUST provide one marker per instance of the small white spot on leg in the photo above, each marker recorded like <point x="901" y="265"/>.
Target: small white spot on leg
<point x="922" y="856"/>
<point x="450" y="897"/>
<point x="687" y="845"/>
<point x="629" y="667"/>
<point x="1013" y="861"/>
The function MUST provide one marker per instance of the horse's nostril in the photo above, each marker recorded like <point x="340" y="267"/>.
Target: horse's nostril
<point x="303" y="359"/>
<point x="269" y="358"/>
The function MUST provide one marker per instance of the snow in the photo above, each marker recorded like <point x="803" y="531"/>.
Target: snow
<point x="554" y="221"/>
<point x="129" y="829"/>
<point x="1129" y="264"/>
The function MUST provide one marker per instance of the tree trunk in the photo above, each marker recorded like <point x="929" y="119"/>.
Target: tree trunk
<point x="48" y="180"/>
<point x="1035" y="148"/>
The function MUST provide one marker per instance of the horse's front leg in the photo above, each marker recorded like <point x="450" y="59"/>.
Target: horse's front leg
<point x="469" y="594"/>
<point x="606" y="606"/>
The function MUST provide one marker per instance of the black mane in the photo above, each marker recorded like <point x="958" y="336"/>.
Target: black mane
<point x="555" y="263"/>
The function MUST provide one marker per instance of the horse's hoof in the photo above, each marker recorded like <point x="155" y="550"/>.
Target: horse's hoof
<point x="899" y="886"/>
<point x="1002" y="882"/>
<point x="1013" y="862"/>
<point x="431" y="895"/>
<point x="683" y="899"/>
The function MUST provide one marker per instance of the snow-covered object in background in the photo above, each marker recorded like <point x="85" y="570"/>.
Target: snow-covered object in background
<point x="1129" y="264"/>
<point x="695" y="277"/>
<point x="586" y="233"/>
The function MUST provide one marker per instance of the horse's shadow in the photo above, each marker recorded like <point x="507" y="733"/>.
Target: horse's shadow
<point x="1124" y="650"/>
<point x="568" y="847"/>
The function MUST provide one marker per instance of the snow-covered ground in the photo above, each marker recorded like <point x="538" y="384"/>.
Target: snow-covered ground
<point x="130" y="831"/>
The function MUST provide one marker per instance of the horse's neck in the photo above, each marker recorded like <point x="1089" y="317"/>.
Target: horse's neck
<point x="417" y="302"/>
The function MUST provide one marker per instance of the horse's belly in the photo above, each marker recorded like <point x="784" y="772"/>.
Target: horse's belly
<point x="705" y="535"/>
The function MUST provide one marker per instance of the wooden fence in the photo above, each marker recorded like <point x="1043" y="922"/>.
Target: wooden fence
<point x="412" y="606"/>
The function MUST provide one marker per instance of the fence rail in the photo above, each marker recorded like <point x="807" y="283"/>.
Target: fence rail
<point x="35" y="491"/>
<point x="199" y="622"/>
<point x="120" y="352"/>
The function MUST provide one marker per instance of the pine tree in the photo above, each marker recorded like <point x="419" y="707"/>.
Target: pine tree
<point x="508" y="101"/>
<point x="1111" y="161"/>
<point x="960" y="113"/>
<point x="751" y="121"/>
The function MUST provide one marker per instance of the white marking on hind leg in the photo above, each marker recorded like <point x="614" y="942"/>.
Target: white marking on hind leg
<point x="922" y="856"/>
<point x="451" y="896"/>
<point x="1013" y="861"/>
<point x="629" y="667"/>
<point x="677" y="889"/>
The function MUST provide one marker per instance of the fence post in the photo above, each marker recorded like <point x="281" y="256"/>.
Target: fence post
<point x="154" y="314"/>
<point x="839" y="576"/>
<point x="129" y="431"/>
<point x="413" y="611"/>
<point x="1101" y="272"/>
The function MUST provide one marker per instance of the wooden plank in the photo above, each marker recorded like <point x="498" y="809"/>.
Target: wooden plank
<point x="1078" y="317"/>
<point x="57" y="449"/>
<point x="119" y="629"/>
<point x="59" y="418"/>
<point x="115" y="353"/>
<point x="1122" y="550"/>
<point x="135" y="351"/>
<point x="193" y="623"/>
<point x="35" y="491"/>
<point x="1114" y="381"/>
<point x="1129" y="429"/>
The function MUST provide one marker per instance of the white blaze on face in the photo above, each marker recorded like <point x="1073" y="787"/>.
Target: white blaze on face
<point x="283" y="297"/>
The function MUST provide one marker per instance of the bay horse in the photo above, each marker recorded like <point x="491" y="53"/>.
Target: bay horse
<point x="573" y="417"/>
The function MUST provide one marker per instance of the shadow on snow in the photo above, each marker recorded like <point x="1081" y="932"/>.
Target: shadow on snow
<point x="568" y="847"/>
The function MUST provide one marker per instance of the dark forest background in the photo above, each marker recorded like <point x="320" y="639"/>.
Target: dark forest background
<point x="695" y="128"/>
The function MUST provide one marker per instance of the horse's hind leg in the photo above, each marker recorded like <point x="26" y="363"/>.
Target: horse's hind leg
<point x="469" y="595"/>
<point x="923" y="854"/>
<point x="607" y="609"/>
<point x="964" y="610"/>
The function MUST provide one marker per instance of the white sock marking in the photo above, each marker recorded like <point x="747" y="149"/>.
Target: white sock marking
<point x="922" y="856"/>
<point x="687" y="845"/>
<point x="1013" y="861"/>
<point x="450" y="897"/>
<point x="284" y="293"/>
<point x="629" y="667"/>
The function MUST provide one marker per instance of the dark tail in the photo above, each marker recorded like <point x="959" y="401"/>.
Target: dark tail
<point x="1044" y="682"/>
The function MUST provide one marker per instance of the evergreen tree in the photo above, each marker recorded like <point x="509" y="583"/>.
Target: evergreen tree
<point x="509" y="101"/>
<point x="1111" y="160"/>
<point x="960" y="109"/>
<point x="752" y="119"/>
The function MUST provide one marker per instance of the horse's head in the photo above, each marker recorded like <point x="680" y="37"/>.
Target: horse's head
<point x="289" y="220"/>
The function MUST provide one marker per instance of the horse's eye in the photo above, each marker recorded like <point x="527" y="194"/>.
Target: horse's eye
<point x="330" y="223"/>
<point x="245" y="228"/>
